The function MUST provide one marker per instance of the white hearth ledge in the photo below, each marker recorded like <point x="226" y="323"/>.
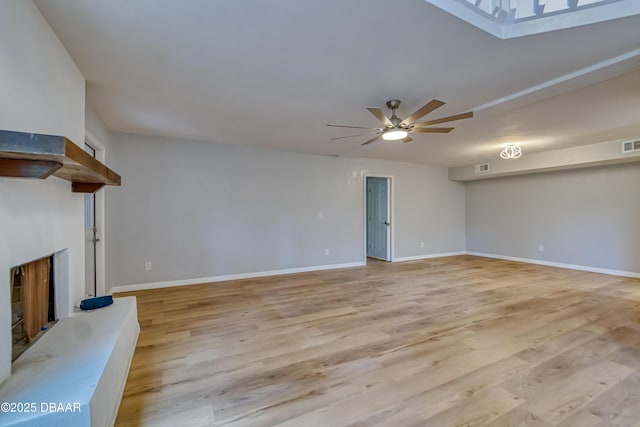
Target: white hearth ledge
<point x="80" y="366"/>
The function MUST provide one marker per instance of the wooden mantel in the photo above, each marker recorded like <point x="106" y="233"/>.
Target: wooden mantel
<point x="29" y="155"/>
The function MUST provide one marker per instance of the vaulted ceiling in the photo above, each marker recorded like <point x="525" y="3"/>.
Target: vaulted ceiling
<point x="273" y="73"/>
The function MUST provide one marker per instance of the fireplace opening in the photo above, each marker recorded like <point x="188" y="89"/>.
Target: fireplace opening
<point x="32" y="303"/>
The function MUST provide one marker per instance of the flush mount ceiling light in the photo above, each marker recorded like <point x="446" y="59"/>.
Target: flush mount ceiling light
<point x="394" y="134"/>
<point x="511" y="151"/>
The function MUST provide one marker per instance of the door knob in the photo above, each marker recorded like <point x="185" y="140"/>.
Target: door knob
<point x="387" y="223"/>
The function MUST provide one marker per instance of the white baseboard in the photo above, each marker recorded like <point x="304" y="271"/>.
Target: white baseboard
<point x="157" y="285"/>
<point x="427" y="256"/>
<point x="560" y="265"/>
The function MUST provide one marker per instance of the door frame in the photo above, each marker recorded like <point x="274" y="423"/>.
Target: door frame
<point x="390" y="214"/>
<point x="100" y="218"/>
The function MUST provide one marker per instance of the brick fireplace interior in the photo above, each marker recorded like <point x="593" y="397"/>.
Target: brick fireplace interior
<point x="32" y="303"/>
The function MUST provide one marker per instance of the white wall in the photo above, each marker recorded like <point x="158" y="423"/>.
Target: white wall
<point x="588" y="217"/>
<point x="200" y="210"/>
<point x="95" y="126"/>
<point x="42" y="92"/>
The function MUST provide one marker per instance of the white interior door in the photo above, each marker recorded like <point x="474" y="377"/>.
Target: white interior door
<point x="90" y="233"/>
<point x="378" y="225"/>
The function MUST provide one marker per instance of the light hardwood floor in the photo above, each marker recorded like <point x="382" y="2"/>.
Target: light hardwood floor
<point x="457" y="341"/>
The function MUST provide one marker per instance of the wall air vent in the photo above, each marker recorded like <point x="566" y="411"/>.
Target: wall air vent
<point x="482" y="167"/>
<point x="630" y="146"/>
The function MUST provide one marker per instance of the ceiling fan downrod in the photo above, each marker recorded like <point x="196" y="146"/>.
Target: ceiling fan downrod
<point x="393" y="106"/>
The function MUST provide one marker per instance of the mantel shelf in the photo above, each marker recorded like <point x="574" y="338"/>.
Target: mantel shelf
<point x="29" y="155"/>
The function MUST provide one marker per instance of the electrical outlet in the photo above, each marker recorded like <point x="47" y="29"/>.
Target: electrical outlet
<point x="540" y="248"/>
<point x="147" y="265"/>
<point x="326" y="251"/>
<point x="422" y="244"/>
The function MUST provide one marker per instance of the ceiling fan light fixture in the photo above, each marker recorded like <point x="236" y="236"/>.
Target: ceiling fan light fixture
<point x="511" y="151"/>
<point x="394" y="134"/>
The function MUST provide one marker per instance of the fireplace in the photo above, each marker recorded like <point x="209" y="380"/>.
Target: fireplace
<point x="32" y="303"/>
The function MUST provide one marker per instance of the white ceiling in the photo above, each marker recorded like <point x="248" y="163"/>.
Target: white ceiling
<point x="272" y="73"/>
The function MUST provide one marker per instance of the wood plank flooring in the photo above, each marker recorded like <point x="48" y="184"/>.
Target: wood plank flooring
<point x="457" y="341"/>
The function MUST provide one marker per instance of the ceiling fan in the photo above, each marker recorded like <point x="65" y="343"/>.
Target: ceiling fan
<point x="396" y="128"/>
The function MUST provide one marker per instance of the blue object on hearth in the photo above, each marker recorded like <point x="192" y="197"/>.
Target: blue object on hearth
<point x="97" y="302"/>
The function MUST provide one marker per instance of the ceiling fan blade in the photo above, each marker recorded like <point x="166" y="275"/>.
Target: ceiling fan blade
<point x="380" y="116"/>
<point x="351" y="127"/>
<point x="432" y="130"/>
<point x="350" y="136"/>
<point x="407" y="139"/>
<point x="371" y="140"/>
<point x="425" y="109"/>
<point x="446" y="119"/>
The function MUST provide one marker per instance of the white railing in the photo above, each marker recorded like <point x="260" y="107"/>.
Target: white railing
<point x="515" y="18"/>
<point x="514" y="11"/>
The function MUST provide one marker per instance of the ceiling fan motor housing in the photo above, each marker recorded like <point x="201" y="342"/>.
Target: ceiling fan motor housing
<point x="393" y="104"/>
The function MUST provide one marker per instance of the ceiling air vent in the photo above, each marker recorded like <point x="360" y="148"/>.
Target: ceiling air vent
<point x="482" y="167"/>
<point x="630" y="146"/>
